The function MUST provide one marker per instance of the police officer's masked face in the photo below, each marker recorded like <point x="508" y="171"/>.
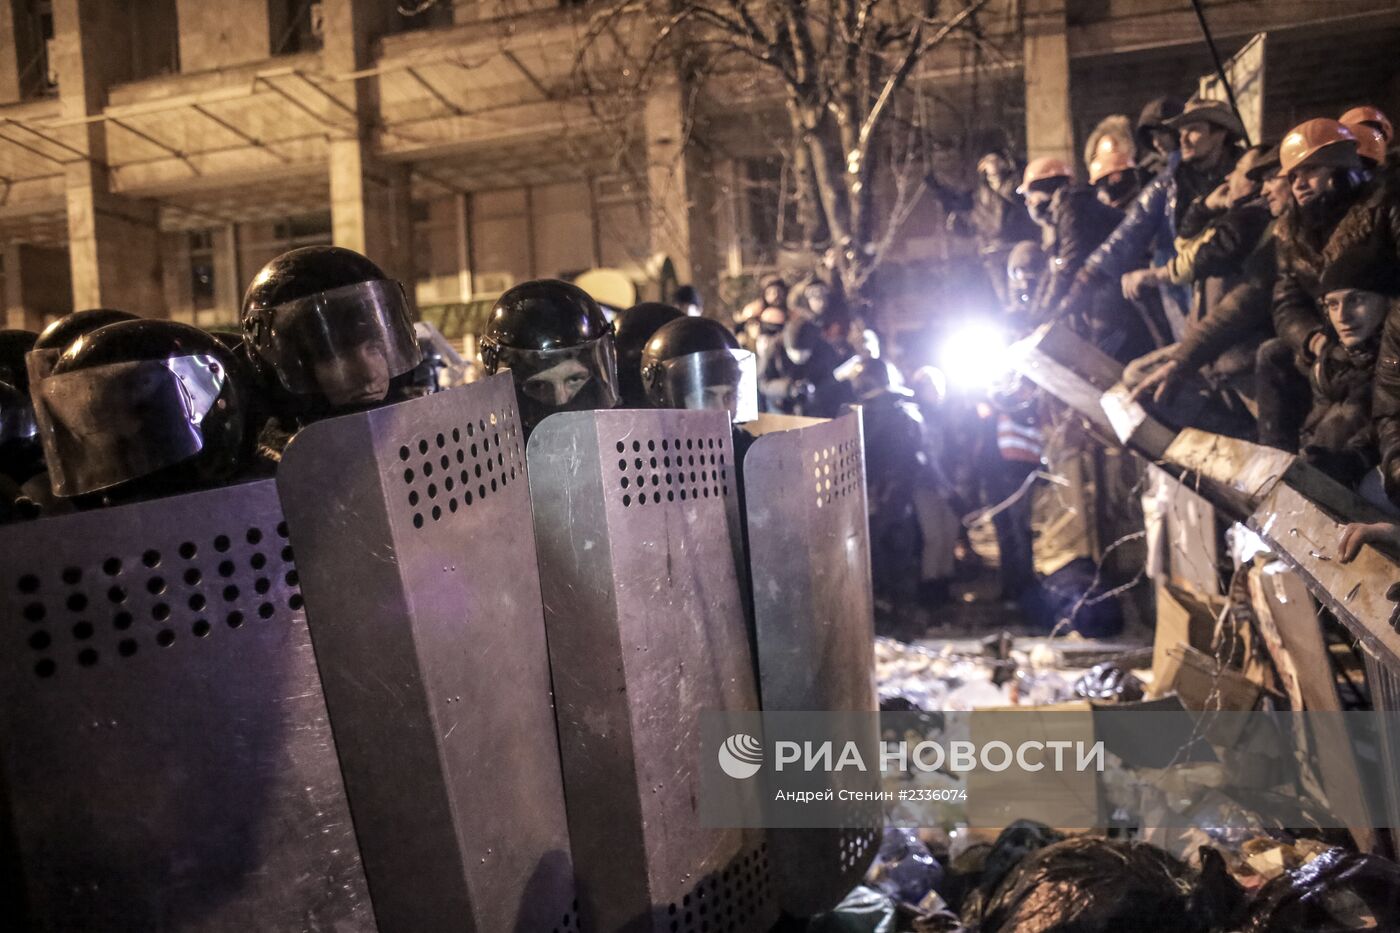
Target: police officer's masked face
<point x="722" y="380"/>
<point x="581" y="378"/>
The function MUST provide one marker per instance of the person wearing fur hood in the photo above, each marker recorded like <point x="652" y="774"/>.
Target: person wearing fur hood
<point x="1338" y="216"/>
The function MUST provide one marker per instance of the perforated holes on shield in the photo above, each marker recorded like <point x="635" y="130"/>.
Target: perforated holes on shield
<point x="855" y="849"/>
<point x="449" y="470"/>
<point x="836" y="472"/>
<point x="191" y="589"/>
<point x="653" y="470"/>
<point x="569" y="922"/>
<point x="728" y="900"/>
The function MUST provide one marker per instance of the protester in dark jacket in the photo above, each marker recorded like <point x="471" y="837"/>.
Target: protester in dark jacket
<point x="1338" y="436"/>
<point x="800" y="376"/>
<point x="1076" y="222"/>
<point x="993" y="214"/>
<point x="1209" y="136"/>
<point x="1156" y="141"/>
<point x="1335" y="218"/>
<point x="1232" y="264"/>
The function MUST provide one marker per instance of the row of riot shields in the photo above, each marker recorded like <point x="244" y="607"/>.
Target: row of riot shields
<point x="432" y="679"/>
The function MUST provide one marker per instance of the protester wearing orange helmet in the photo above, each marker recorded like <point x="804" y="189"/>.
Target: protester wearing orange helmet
<point x="1338" y="216"/>
<point x="1075" y="222"/>
<point x="1210" y="133"/>
<point x="1372" y="117"/>
<point x="1114" y="175"/>
<point x="1370" y="145"/>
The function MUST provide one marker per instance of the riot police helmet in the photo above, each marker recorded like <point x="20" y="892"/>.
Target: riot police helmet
<point x="695" y="362"/>
<point x="20" y="452"/>
<point x="60" y="335"/>
<point x="633" y="328"/>
<point x="143" y="408"/>
<point x="558" y="347"/>
<point x="62" y="332"/>
<point x="327" y="331"/>
<point x="14" y="345"/>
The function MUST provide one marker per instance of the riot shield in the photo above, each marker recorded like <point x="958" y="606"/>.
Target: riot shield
<point x="633" y="511"/>
<point x="809" y="560"/>
<point x="417" y="552"/>
<point x="167" y="759"/>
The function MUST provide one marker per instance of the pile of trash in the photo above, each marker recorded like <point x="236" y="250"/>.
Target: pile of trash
<point x="996" y="673"/>
<point x="1225" y="869"/>
<point x="1033" y="879"/>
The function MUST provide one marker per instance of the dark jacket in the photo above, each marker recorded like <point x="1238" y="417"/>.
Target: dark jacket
<point x="1338" y="436"/>
<point x="810" y="389"/>
<point x="998" y="221"/>
<point x="1081" y="223"/>
<point x="1154" y="221"/>
<point x="893" y="429"/>
<point x="1233" y="263"/>
<point x="1368" y="232"/>
<point x="1226" y="338"/>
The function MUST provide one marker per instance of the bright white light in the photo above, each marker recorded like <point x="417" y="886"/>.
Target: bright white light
<point x="975" y="356"/>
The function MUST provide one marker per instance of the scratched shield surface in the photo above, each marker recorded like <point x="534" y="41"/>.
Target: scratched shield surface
<point x="633" y="512"/>
<point x="417" y="558"/>
<point x="809" y="560"/>
<point x="168" y="763"/>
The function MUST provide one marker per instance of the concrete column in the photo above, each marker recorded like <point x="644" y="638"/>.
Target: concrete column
<point x="36" y="285"/>
<point x="229" y="32"/>
<point x="10" y="28"/>
<point x="113" y="241"/>
<point x="370" y="208"/>
<point x="370" y="199"/>
<point x="1049" y="127"/>
<point x="681" y="205"/>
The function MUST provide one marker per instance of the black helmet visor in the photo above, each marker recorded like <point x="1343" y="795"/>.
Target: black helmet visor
<point x="345" y="344"/>
<point x="720" y="379"/>
<point x="111" y="424"/>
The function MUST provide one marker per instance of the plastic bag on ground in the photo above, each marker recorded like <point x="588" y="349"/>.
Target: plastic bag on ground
<point x="864" y="910"/>
<point x="1109" y="681"/>
<point x="1338" y="890"/>
<point x="905" y="869"/>
<point x="1091" y="885"/>
<point x="1018" y="840"/>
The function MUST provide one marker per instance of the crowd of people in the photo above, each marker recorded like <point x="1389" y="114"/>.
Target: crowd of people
<point x="1251" y="290"/>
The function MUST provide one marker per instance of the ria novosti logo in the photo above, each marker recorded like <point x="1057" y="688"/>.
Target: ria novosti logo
<point x="740" y="756"/>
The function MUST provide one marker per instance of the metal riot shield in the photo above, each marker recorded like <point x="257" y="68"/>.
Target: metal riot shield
<point x="167" y="762"/>
<point x="417" y="552"/>
<point x="809" y="560"/>
<point x="633" y="511"/>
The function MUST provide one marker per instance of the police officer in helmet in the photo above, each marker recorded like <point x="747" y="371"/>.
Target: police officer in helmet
<point x="632" y="329"/>
<point x="697" y="363"/>
<point x="21" y="456"/>
<point x="558" y="347"/>
<point x="329" y="333"/>
<point x="142" y="408"/>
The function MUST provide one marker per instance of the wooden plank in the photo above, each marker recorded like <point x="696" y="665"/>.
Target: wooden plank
<point x="1133" y="426"/>
<point x="1307" y="538"/>
<point x="1069" y="368"/>
<point x="1287" y="618"/>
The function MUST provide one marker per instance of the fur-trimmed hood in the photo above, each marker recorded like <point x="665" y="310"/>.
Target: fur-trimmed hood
<point x="1365" y="236"/>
